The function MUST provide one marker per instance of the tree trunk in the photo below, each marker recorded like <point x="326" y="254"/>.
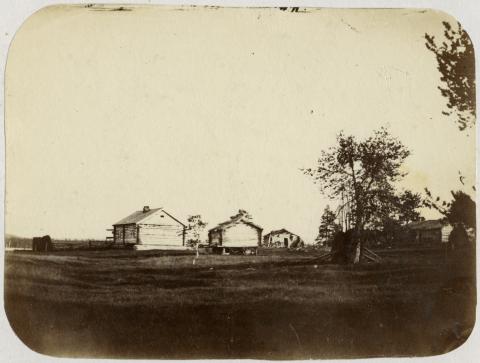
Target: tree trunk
<point x="358" y="249"/>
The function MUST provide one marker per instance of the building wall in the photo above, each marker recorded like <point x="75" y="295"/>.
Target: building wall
<point x="161" y="235"/>
<point x="125" y="234"/>
<point x="214" y="238"/>
<point x="117" y="234"/>
<point x="437" y="235"/>
<point x="278" y="239"/>
<point x="241" y="235"/>
<point x="446" y="230"/>
<point x="430" y="236"/>
<point x="159" y="217"/>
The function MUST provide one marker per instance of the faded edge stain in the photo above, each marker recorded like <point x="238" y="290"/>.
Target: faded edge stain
<point x="94" y="7"/>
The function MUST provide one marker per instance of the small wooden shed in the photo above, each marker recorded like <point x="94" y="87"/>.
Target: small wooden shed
<point x="282" y="238"/>
<point x="150" y="229"/>
<point x="430" y="231"/>
<point x="237" y="233"/>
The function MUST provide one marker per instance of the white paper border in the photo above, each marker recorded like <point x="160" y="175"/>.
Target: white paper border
<point x="14" y="13"/>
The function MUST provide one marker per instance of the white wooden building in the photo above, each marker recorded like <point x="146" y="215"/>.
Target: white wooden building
<point x="282" y="238"/>
<point x="237" y="233"/>
<point x="150" y="229"/>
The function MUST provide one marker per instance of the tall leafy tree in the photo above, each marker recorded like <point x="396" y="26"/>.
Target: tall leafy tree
<point x="460" y="210"/>
<point x="408" y="205"/>
<point x="382" y="208"/>
<point x="393" y="216"/>
<point x="194" y="230"/>
<point x="456" y="63"/>
<point x="362" y="170"/>
<point x="328" y="225"/>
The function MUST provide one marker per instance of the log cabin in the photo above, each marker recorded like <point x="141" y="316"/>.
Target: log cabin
<point x="237" y="234"/>
<point x="430" y="231"/>
<point x="150" y="229"/>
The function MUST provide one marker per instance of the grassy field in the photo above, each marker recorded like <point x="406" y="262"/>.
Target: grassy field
<point x="154" y="304"/>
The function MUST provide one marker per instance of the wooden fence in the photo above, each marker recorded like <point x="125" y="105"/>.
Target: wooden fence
<point x="18" y="243"/>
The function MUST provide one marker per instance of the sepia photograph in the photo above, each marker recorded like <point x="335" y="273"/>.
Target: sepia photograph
<point x="208" y="182"/>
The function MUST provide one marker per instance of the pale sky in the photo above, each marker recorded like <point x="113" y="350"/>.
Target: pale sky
<point x="207" y="111"/>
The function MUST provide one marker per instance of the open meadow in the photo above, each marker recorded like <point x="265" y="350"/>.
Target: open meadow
<point x="153" y="304"/>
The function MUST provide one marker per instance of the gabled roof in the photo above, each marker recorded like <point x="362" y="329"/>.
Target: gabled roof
<point x="239" y="218"/>
<point x="137" y="216"/>
<point x="140" y="215"/>
<point x="427" y="225"/>
<point x="278" y="231"/>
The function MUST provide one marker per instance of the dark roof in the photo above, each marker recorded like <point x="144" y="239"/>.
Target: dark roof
<point x="140" y="215"/>
<point x="234" y="220"/>
<point x="278" y="231"/>
<point x="426" y="225"/>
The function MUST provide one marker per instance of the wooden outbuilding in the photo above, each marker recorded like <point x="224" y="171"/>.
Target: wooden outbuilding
<point x="237" y="234"/>
<point x="43" y="244"/>
<point x="282" y="238"/>
<point x="150" y="229"/>
<point x="430" y="231"/>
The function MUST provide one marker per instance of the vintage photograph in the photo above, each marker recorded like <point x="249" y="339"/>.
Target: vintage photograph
<point x="204" y="182"/>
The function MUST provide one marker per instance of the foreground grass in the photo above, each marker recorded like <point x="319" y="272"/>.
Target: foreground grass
<point x="158" y="305"/>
